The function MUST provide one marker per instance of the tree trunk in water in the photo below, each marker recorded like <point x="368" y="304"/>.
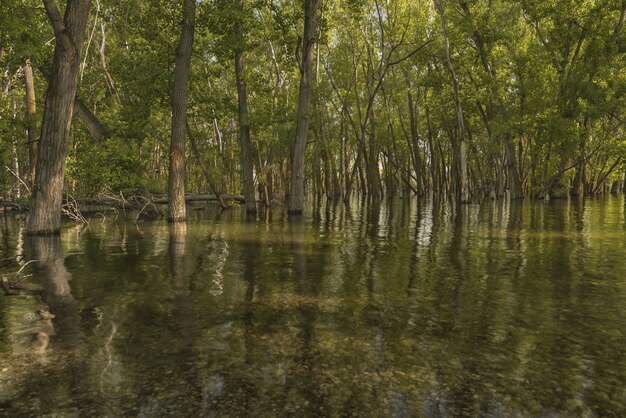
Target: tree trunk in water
<point x="513" y="175"/>
<point x="176" y="190"/>
<point x="463" y="188"/>
<point x="373" y="172"/>
<point x="296" y="198"/>
<point x="515" y="186"/>
<point x="415" y="146"/>
<point x="45" y="210"/>
<point x="31" y="121"/>
<point x="247" y="174"/>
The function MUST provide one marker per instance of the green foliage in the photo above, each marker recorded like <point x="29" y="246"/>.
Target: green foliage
<point x="111" y="167"/>
<point x="556" y="88"/>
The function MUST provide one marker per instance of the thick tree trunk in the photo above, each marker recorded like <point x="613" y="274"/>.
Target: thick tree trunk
<point x="82" y="112"/>
<point x="296" y="198"/>
<point x="463" y="188"/>
<point x="247" y="173"/>
<point x="176" y="190"/>
<point x="31" y="121"/>
<point x="45" y="211"/>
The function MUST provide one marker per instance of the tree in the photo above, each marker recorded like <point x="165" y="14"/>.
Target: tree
<point x="47" y="195"/>
<point x="296" y="198"/>
<point x="244" y="127"/>
<point x="460" y="151"/>
<point x="176" y="191"/>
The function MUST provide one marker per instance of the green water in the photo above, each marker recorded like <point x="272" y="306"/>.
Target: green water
<point x="395" y="310"/>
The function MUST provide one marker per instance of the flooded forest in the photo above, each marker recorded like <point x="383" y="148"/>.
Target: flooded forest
<point x="313" y="208"/>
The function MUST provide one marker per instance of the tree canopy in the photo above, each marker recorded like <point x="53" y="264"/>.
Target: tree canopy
<point x="540" y="83"/>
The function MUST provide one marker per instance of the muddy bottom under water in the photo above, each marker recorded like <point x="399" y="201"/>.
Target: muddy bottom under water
<point x="396" y="309"/>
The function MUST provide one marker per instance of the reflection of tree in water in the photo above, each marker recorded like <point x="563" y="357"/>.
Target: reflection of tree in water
<point x="496" y="310"/>
<point x="302" y="387"/>
<point x="60" y="382"/>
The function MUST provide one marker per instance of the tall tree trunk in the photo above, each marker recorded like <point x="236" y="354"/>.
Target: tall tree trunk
<point x="31" y="121"/>
<point x="417" y="164"/>
<point x="463" y="188"/>
<point x="247" y="173"/>
<point x="82" y="112"/>
<point x="512" y="171"/>
<point x="373" y="172"/>
<point x="69" y="31"/>
<point x="176" y="191"/>
<point x="296" y="198"/>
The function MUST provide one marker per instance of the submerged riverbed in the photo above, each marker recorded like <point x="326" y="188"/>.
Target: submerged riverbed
<point x="396" y="309"/>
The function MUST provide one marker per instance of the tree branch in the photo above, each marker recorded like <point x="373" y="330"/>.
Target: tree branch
<point x="58" y="25"/>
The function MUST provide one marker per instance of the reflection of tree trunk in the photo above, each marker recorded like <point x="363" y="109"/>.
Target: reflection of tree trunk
<point x="178" y="233"/>
<point x="307" y="310"/>
<point x="250" y="249"/>
<point x="57" y="293"/>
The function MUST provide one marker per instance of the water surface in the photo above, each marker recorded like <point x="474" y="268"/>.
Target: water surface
<point x="395" y="309"/>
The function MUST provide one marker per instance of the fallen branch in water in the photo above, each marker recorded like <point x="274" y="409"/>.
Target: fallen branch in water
<point x="13" y="206"/>
<point x="16" y="282"/>
<point x="70" y="208"/>
<point x="205" y="198"/>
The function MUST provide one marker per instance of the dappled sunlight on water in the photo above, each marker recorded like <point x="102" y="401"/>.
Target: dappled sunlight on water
<point x="396" y="309"/>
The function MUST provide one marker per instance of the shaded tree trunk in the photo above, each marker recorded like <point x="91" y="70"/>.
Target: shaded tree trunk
<point x="247" y="173"/>
<point x="461" y="150"/>
<point x="31" y="121"/>
<point x="82" y="112"/>
<point x="89" y="121"/>
<point x="69" y="31"/>
<point x="296" y="198"/>
<point x="417" y="164"/>
<point x="513" y="175"/>
<point x="176" y="190"/>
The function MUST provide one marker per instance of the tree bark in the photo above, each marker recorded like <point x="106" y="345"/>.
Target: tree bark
<point x="417" y="163"/>
<point x="463" y="189"/>
<point x="296" y="198"/>
<point x="89" y="121"/>
<point x="247" y="173"/>
<point x="82" y="112"/>
<point x="31" y="121"/>
<point x="45" y="211"/>
<point x="176" y="189"/>
<point x="512" y="171"/>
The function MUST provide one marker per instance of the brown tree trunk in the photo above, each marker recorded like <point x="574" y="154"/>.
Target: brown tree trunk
<point x="176" y="190"/>
<point x="373" y="172"/>
<point x="463" y="188"/>
<point x="417" y="164"/>
<point x="45" y="210"/>
<point x="247" y="173"/>
<point x="296" y="197"/>
<point x="89" y="120"/>
<point x="512" y="171"/>
<point x="82" y="112"/>
<point x="31" y="121"/>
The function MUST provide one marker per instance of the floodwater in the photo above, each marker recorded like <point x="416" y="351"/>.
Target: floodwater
<point x="390" y="310"/>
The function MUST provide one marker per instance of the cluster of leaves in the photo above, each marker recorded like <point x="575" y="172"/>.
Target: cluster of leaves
<point x="555" y="88"/>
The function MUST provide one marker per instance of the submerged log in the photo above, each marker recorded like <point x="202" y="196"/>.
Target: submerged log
<point x="204" y="198"/>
